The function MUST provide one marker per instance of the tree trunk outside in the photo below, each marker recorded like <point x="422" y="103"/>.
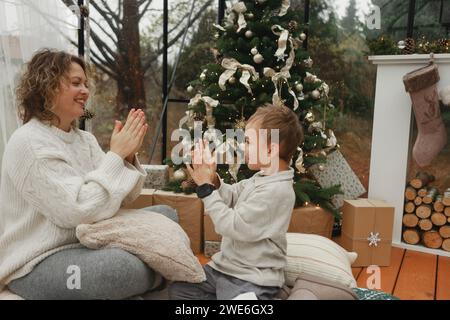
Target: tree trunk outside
<point x="130" y="83"/>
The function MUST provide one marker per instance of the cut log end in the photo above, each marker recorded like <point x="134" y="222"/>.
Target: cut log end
<point x="446" y="245"/>
<point x="444" y="231"/>
<point x="410" y="193"/>
<point x="418" y="201"/>
<point x="422" y="192"/>
<point x="425" y="224"/>
<point x="421" y="180"/>
<point x="438" y="219"/>
<point x="410" y="207"/>
<point x="411" y="236"/>
<point x="432" y="239"/>
<point x="410" y="220"/>
<point x="447" y="211"/>
<point x="423" y="211"/>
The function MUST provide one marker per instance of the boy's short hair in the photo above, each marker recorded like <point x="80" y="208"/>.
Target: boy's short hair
<point x="290" y="130"/>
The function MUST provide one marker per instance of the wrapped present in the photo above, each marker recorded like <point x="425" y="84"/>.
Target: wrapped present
<point x="336" y="171"/>
<point x="308" y="219"/>
<point x="145" y="199"/>
<point x="313" y="220"/>
<point x="211" y="248"/>
<point x="157" y="176"/>
<point x="190" y="214"/>
<point x="209" y="230"/>
<point x="367" y="230"/>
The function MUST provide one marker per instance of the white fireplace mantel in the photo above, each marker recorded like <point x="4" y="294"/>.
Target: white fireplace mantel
<point x="391" y="132"/>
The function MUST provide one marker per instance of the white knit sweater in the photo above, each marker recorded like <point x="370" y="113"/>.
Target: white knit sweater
<point x="52" y="181"/>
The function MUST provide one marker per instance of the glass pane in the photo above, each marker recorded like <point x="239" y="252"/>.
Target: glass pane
<point x="428" y="21"/>
<point x="126" y="51"/>
<point x="393" y="18"/>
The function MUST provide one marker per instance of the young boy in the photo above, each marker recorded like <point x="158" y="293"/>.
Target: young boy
<point x="252" y="216"/>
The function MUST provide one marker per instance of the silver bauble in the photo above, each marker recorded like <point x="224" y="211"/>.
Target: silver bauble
<point x="258" y="58"/>
<point x="180" y="175"/>
<point x="315" y="94"/>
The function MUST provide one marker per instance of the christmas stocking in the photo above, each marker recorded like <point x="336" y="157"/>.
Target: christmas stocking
<point x="432" y="137"/>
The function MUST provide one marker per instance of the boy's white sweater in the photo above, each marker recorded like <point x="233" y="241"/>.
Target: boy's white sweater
<point x="253" y="217"/>
<point x="52" y="181"/>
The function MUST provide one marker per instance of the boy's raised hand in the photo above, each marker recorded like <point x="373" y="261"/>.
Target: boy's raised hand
<point x="204" y="166"/>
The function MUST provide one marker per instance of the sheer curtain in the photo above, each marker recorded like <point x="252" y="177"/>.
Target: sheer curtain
<point x="25" y="27"/>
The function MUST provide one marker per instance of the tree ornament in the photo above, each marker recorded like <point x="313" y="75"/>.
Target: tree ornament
<point x="315" y="94"/>
<point x="301" y="96"/>
<point x="190" y="89"/>
<point x="303" y="36"/>
<point x="321" y="167"/>
<point x="299" y="162"/>
<point x="217" y="35"/>
<point x="310" y="117"/>
<point x="254" y="51"/>
<point x="248" y="33"/>
<point x="258" y="58"/>
<point x="232" y="80"/>
<point x="401" y="44"/>
<point x="240" y="124"/>
<point x="410" y="46"/>
<point x="298" y="86"/>
<point x="250" y="15"/>
<point x="292" y="25"/>
<point x="203" y="77"/>
<point x="308" y="62"/>
<point x="310" y="78"/>
<point x="180" y="175"/>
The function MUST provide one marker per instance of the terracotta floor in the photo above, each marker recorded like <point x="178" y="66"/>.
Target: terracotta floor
<point x="412" y="275"/>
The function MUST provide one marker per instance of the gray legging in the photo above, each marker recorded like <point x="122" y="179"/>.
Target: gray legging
<point x="106" y="274"/>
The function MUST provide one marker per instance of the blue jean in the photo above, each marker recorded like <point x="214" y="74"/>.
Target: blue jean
<point x="107" y="274"/>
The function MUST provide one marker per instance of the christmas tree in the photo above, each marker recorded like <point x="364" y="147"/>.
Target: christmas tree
<point x="260" y="59"/>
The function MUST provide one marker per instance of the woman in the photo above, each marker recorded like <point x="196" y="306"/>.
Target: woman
<point x="55" y="177"/>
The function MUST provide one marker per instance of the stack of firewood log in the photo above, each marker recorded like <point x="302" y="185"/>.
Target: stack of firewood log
<point x="426" y="216"/>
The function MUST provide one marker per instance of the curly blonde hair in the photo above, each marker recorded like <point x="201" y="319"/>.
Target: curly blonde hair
<point x="40" y="83"/>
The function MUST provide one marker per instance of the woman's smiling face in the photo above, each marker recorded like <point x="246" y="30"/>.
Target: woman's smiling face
<point x="72" y="95"/>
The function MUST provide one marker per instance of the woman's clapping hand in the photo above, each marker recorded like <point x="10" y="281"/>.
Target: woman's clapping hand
<point x="127" y="139"/>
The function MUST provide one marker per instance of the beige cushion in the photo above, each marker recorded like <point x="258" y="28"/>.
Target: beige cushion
<point x="309" y="254"/>
<point x="5" y="294"/>
<point x="152" y="237"/>
<point x="310" y="287"/>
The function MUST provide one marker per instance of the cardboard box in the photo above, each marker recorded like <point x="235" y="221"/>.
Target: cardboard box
<point x="211" y="248"/>
<point x="367" y="230"/>
<point x="157" y="176"/>
<point x="145" y="199"/>
<point x="312" y="220"/>
<point x="190" y="214"/>
<point x="209" y="230"/>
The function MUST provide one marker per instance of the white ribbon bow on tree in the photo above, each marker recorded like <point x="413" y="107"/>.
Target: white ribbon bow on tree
<point x="284" y="74"/>
<point x="209" y="102"/>
<point x="231" y="66"/>
<point x="285" y="4"/>
<point x="282" y="41"/>
<point x="240" y="9"/>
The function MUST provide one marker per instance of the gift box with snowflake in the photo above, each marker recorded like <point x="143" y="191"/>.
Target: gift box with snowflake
<point x="157" y="176"/>
<point x="367" y="230"/>
<point x="337" y="171"/>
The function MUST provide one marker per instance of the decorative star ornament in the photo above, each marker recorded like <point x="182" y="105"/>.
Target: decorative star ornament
<point x="282" y="57"/>
<point x="374" y="239"/>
